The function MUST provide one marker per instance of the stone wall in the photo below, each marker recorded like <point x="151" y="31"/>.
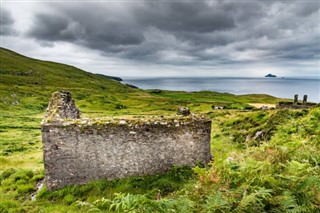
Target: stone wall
<point x="296" y="104"/>
<point x="80" y="150"/>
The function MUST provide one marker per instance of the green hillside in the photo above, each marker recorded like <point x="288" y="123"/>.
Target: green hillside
<point x="27" y="84"/>
<point x="278" y="172"/>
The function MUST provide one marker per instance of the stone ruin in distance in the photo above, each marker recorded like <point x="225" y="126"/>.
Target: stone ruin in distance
<point x="77" y="150"/>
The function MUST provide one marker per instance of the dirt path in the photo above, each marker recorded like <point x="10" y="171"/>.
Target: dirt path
<point x="261" y="105"/>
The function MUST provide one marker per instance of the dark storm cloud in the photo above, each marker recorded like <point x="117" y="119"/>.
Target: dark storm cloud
<point x="92" y="33"/>
<point x="53" y="28"/>
<point x="6" y="23"/>
<point x="108" y="30"/>
<point x="181" y="32"/>
<point x="184" y="17"/>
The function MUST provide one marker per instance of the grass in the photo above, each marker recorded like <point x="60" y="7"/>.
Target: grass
<point x="18" y="184"/>
<point x="278" y="172"/>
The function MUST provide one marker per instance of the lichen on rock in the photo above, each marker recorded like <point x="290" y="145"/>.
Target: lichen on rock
<point x="61" y="106"/>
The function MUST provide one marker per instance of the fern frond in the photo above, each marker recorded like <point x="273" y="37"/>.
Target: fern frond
<point x="254" y="201"/>
<point x="216" y="203"/>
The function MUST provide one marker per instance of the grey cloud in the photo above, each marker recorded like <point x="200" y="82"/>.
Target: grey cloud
<point x="6" y="23"/>
<point x="111" y="34"/>
<point x="306" y="9"/>
<point x="104" y="30"/>
<point x="99" y="29"/>
<point x="307" y="48"/>
<point x="52" y="28"/>
<point x="175" y="32"/>
<point x="184" y="16"/>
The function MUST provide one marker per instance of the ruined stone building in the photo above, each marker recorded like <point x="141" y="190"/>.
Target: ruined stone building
<point x="77" y="151"/>
<point x="296" y="104"/>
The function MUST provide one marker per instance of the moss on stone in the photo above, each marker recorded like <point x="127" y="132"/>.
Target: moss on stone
<point x="134" y="121"/>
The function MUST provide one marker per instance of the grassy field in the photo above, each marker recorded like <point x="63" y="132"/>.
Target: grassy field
<point x="278" y="172"/>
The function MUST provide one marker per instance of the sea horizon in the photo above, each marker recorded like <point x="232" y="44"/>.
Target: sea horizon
<point x="281" y="87"/>
<point x="179" y="77"/>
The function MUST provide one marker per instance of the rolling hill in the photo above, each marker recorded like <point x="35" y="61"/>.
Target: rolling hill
<point x="28" y="83"/>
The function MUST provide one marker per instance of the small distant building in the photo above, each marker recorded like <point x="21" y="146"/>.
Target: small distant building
<point x="217" y="107"/>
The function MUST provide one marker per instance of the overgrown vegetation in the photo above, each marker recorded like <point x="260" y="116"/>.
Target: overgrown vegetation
<point x="19" y="184"/>
<point x="279" y="175"/>
<point x="264" y="161"/>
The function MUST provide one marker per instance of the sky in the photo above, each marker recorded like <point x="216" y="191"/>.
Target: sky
<point x="136" y="38"/>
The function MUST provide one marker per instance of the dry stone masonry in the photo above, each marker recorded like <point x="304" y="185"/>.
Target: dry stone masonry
<point x="77" y="151"/>
<point x="61" y="106"/>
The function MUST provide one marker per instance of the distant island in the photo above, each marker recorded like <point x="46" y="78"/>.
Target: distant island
<point x="270" y="76"/>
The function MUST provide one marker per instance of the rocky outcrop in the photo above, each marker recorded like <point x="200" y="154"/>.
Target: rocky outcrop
<point x="270" y="76"/>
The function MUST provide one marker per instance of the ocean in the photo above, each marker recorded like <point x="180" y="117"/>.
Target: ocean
<point x="278" y="87"/>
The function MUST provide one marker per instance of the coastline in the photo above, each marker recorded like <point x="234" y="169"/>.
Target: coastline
<point x="278" y="87"/>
